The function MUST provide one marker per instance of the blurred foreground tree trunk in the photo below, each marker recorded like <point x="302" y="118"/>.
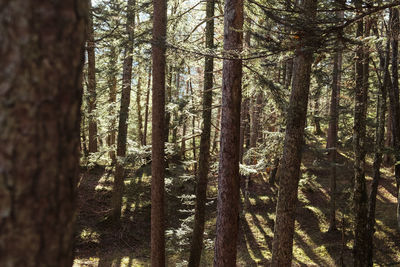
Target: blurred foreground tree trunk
<point x="40" y="97"/>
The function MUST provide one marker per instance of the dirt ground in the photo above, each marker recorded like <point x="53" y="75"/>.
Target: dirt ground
<point x="98" y="243"/>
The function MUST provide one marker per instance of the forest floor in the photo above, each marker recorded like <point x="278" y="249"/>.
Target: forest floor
<point x="100" y="244"/>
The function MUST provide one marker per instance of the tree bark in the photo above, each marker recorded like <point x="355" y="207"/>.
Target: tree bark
<point x="379" y="145"/>
<point x="158" y="136"/>
<point x="112" y="84"/>
<point x="41" y="58"/>
<point x="118" y="188"/>
<point x="146" y="112"/>
<point x="244" y="125"/>
<point x="204" y="155"/>
<point x="395" y="103"/>
<point x="91" y="83"/>
<point x="360" y="191"/>
<point x="228" y="173"/>
<point x="139" y="108"/>
<point x="289" y="170"/>
<point x="331" y="143"/>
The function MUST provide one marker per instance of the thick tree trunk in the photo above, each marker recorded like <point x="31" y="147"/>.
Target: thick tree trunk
<point x="112" y="84"/>
<point x="204" y="155"/>
<point x="91" y="83"/>
<point x="118" y="188"/>
<point x="331" y="143"/>
<point x="158" y="136"/>
<point x="40" y="97"/>
<point x="289" y="170"/>
<point x="228" y="173"/>
<point x="359" y="135"/>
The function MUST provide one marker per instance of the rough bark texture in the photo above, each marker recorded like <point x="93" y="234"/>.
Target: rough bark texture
<point x="204" y="155"/>
<point x="118" y="187"/>
<point x="41" y="59"/>
<point x="158" y="137"/>
<point x="91" y="83"/>
<point x="112" y="84"/>
<point x="379" y="145"/>
<point x="332" y="135"/>
<point x="228" y="173"/>
<point x="331" y="143"/>
<point x="394" y="101"/>
<point x="360" y="190"/>
<point x="289" y="170"/>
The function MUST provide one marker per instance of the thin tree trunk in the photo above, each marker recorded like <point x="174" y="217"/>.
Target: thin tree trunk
<point x="91" y="83"/>
<point x="387" y="159"/>
<point x="139" y="108"/>
<point x="118" y="188"/>
<point x="204" y="156"/>
<point x="112" y="84"/>
<point x="244" y="124"/>
<point x="289" y="170"/>
<point x="40" y="97"/>
<point x="379" y="145"/>
<point x="316" y="115"/>
<point x="331" y="143"/>
<point x="228" y="173"/>
<point x="146" y="113"/>
<point x="158" y="134"/>
<point x="168" y="100"/>
<point x="255" y="119"/>
<point x="360" y="192"/>
<point x="396" y="103"/>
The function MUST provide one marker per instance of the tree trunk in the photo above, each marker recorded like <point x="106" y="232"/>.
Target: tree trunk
<point x="158" y="136"/>
<point x="193" y="129"/>
<point x="228" y="173"/>
<point x="168" y="100"/>
<point x="394" y="101"/>
<point x="244" y="125"/>
<point x="255" y="119"/>
<point x="139" y="108"/>
<point x="379" y="145"/>
<point x="289" y="170"/>
<point x="359" y="135"/>
<point x="204" y="156"/>
<point x="331" y="143"/>
<point x="316" y="115"/>
<point x="112" y="84"/>
<point x="118" y="188"/>
<point x="40" y="97"/>
<point x="91" y="83"/>
<point x="146" y="112"/>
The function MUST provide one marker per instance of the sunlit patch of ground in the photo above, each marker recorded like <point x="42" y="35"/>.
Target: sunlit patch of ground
<point x="99" y="245"/>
